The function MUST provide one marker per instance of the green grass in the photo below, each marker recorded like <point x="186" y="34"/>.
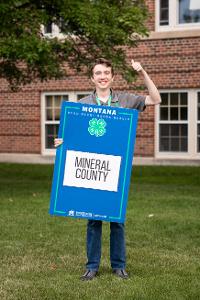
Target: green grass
<point x="42" y="257"/>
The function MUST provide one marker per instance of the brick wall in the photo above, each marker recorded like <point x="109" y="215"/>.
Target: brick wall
<point x="171" y="63"/>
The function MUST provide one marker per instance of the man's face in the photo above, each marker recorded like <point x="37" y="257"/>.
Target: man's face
<point x="102" y="77"/>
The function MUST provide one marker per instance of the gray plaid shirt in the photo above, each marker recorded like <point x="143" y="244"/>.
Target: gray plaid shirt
<point x="119" y="99"/>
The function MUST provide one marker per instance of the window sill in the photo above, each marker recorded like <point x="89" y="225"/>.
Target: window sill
<point x="174" y="34"/>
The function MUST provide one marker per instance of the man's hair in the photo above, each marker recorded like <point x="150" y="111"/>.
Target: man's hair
<point x="101" y="61"/>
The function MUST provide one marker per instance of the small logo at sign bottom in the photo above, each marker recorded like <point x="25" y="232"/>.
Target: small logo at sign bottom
<point x="71" y="213"/>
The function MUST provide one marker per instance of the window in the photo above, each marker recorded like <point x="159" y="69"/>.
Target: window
<point x="51" y="106"/>
<point x="173" y="126"/>
<point x="189" y="11"/>
<point x="52" y="117"/>
<point x="198" y="123"/>
<point x="177" y="14"/>
<point x="48" y="29"/>
<point x="51" y="30"/>
<point x="178" y="125"/>
<point x="164" y="12"/>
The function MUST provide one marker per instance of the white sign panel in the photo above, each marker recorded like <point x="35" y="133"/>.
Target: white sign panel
<point x="92" y="170"/>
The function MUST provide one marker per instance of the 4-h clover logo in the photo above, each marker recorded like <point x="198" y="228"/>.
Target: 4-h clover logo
<point x="97" y="127"/>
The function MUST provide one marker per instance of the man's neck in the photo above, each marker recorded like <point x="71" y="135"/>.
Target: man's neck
<point x="103" y="95"/>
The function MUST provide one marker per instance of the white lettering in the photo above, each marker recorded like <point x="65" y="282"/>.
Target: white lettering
<point x="99" y="110"/>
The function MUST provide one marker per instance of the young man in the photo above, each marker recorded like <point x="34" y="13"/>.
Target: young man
<point x="102" y="75"/>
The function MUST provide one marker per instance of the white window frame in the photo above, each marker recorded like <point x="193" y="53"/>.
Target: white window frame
<point x="173" y="19"/>
<point x="72" y="96"/>
<point x="192" y="127"/>
<point x="55" y="32"/>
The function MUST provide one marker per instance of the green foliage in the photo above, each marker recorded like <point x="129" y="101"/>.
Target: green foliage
<point x="92" y="28"/>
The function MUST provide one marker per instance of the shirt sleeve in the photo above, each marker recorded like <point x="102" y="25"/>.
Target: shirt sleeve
<point x="134" y="101"/>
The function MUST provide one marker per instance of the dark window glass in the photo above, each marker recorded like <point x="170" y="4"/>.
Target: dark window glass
<point x="57" y="101"/>
<point x="198" y="145"/>
<point x="164" y="130"/>
<point x="164" y="97"/>
<point x="49" y="101"/>
<point x="184" y="146"/>
<point x="174" y="144"/>
<point x="48" y="28"/>
<point x="183" y="113"/>
<point x="53" y="107"/>
<point x="198" y="107"/>
<point x="174" y="99"/>
<point x="164" y="144"/>
<point x="174" y="113"/>
<point x="164" y="12"/>
<point x="173" y="137"/>
<point x="49" y="114"/>
<point x="164" y="113"/>
<point x="51" y="134"/>
<point x="198" y="129"/>
<point x="183" y="98"/>
<point x="57" y="114"/>
<point x="189" y="11"/>
<point x="184" y="130"/>
<point x="174" y="130"/>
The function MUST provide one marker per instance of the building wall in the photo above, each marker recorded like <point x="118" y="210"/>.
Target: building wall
<point x="172" y="63"/>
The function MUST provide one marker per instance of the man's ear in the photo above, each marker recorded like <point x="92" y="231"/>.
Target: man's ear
<point x="113" y="78"/>
<point x="92" y="79"/>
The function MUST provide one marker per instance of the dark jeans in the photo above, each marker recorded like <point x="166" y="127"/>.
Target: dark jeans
<point x="117" y="245"/>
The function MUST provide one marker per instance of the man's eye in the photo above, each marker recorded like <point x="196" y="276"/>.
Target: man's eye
<point x="98" y="73"/>
<point x="107" y="72"/>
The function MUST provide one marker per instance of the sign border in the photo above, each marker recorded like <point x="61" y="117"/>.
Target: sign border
<point x="60" y="159"/>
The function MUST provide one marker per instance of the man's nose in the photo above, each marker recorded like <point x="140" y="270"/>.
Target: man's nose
<point x="103" y="75"/>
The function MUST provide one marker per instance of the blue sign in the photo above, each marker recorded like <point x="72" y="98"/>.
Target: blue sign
<point x="93" y="165"/>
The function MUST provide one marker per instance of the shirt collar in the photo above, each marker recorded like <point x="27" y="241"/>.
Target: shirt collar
<point x="113" y="94"/>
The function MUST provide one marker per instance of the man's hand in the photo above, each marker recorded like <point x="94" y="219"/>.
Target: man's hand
<point x="136" y="65"/>
<point x="58" y="142"/>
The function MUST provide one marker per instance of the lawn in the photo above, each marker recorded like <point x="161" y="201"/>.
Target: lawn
<point x="42" y="257"/>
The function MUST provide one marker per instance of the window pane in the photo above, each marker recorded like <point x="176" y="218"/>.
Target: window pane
<point x="174" y="130"/>
<point x="183" y="113"/>
<point x="49" y="101"/>
<point x="174" y="144"/>
<point x="198" y="137"/>
<point x="189" y="11"/>
<point x="173" y="137"/>
<point x="164" y="12"/>
<point x="184" y="146"/>
<point x="65" y="98"/>
<point x="164" y="130"/>
<point x="57" y="114"/>
<point x="51" y="134"/>
<point x="163" y="113"/>
<point x="57" y="101"/>
<point x="48" y="28"/>
<point x="184" y="130"/>
<point x="183" y="97"/>
<point x="164" y="144"/>
<point x="49" y="115"/>
<point x="198" y="129"/>
<point x="198" y="107"/>
<point x="164" y="97"/>
<point x="174" y="113"/>
<point x="198" y="145"/>
<point x="174" y="99"/>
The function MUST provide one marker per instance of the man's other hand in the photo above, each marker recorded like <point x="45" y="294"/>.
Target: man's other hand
<point x="136" y="65"/>
<point x="58" y="142"/>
